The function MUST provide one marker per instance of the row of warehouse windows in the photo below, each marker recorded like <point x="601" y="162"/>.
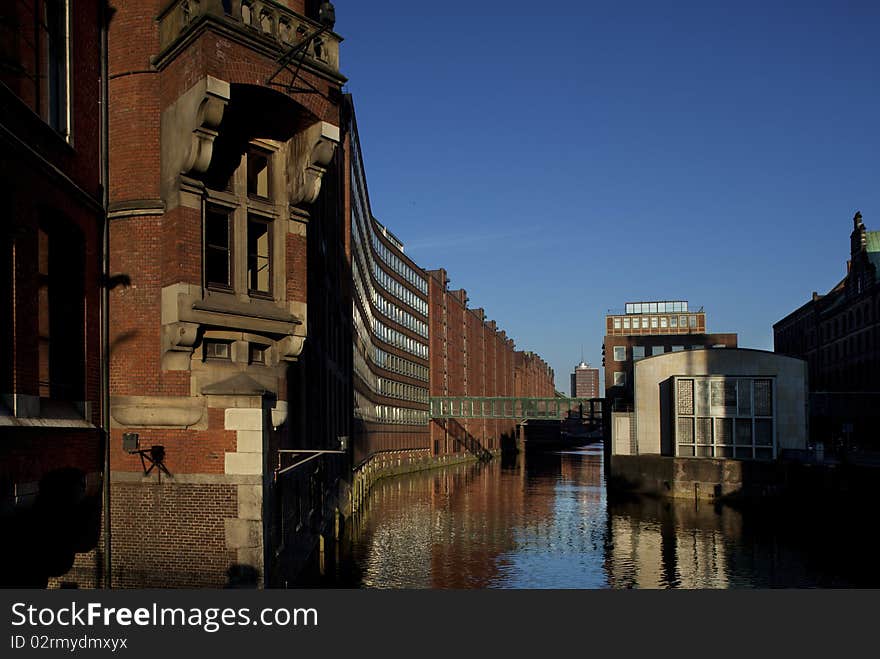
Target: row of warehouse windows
<point x="387" y="386"/>
<point x="366" y="410"/>
<point x="396" y="264"/>
<point x="382" y="331"/>
<point x="656" y="322"/>
<point x="399" y="339"/>
<point x="394" y="287"/>
<point x="383" y="359"/>
<point x="388" y="309"/>
<point x="400" y="365"/>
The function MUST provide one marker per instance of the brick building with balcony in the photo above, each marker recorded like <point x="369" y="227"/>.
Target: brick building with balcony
<point x="233" y="343"/>
<point x="645" y="329"/>
<point x="51" y="265"/>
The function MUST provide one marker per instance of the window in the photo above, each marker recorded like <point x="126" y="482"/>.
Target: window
<point x="677" y="348"/>
<point x="626" y="323"/>
<point x="673" y="321"/>
<point x="657" y="350"/>
<point x="619" y="378"/>
<point x="257" y="353"/>
<point x="258" y="174"/>
<point x="717" y="418"/>
<point x="237" y="206"/>
<point x="692" y="321"/>
<point x="217" y="349"/>
<point x="218" y="247"/>
<point x="620" y="353"/>
<point x="60" y="314"/>
<point x="617" y="323"/>
<point x="654" y="322"/>
<point x="645" y="322"/>
<point x="664" y="322"/>
<point x="258" y="255"/>
<point x="638" y="352"/>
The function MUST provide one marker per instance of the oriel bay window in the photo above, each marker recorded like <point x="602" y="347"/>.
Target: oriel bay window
<point x="239" y="214"/>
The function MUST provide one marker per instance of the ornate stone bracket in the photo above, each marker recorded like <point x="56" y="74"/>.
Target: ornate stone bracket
<point x="179" y="341"/>
<point x="290" y="348"/>
<point x="189" y="128"/>
<point x="309" y="155"/>
<point x="208" y="116"/>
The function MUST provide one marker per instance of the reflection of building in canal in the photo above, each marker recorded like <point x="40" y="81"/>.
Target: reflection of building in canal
<point x="409" y="538"/>
<point x="657" y="544"/>
<point x="477" y="526"/>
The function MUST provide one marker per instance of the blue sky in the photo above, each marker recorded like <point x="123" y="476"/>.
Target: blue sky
<point x="560" y="159"/>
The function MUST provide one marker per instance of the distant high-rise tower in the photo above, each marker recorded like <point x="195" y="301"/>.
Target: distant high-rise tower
<point x="585" y="381"/>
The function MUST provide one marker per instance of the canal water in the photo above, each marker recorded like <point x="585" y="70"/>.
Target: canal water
<point x="547" y="522"/>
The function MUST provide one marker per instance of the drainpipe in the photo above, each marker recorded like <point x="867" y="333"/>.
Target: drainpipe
<point x="104" y="18"/>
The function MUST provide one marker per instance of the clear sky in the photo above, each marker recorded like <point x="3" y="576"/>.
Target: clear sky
<point x="562" y="158"/>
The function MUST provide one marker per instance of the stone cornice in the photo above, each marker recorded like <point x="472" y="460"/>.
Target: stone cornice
<point x="245" y="36"/>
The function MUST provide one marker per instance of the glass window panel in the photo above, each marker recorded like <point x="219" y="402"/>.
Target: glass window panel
<point x="704" y="451"/>
<point x="673" y="321"/>
<point x="764" y="432"/>
<point x="764" y="453"/>
<point x="704" y="430"/>
<point x="620" y="353"/>
<point x="724" y="431"/>
<point x="617" y="323"/>
<point x="258" y="238"/>
<point x="686" y="451"/>
<point x="743" y="453"/>
<point x="723" y="451"/>
<point x="654" y="322"/>
<point x="626" y="323"/>
<point x="217" y="251"/>
<point x="685" y="396"/>
<point x="664" y="321"/>
<point x="638" y="352"/>
<point x="744" y="432"/>
<point x="258" y="174"/>
<point x="744" y="397"/>
<point x="683" y="321"/>
<point x="685" y="430"/>
<point x="763" y="398"/>
<point x="692" y="321"/>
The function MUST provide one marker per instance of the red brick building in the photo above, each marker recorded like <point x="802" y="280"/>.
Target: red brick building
<point x="645" y="329"/>
<point x="232" y="344"/>
<point x="585" y="382"/>
<point x="470" y="356"/>
<point x="838" y="334"/>
<point x="51" y="414"/>
<point x="390" y="314"/>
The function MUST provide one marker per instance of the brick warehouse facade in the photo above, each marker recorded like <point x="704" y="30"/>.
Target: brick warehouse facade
<point x="390" y="314"/>
<point x="470" y="356"/>
<point x="51" y="416"/>
<point x="227" y="200"/>
<point x="838" y="334"/>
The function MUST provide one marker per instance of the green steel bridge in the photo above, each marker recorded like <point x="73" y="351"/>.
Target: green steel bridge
<point x="521" y="409"/>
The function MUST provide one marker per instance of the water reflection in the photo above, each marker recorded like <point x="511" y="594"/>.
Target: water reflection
<point x="546" y="523"/>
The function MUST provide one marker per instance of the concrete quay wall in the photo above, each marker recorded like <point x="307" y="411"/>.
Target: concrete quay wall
<point x="711" y="479"/>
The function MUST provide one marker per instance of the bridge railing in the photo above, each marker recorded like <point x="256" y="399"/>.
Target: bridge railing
<point x="478" y="407"/>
